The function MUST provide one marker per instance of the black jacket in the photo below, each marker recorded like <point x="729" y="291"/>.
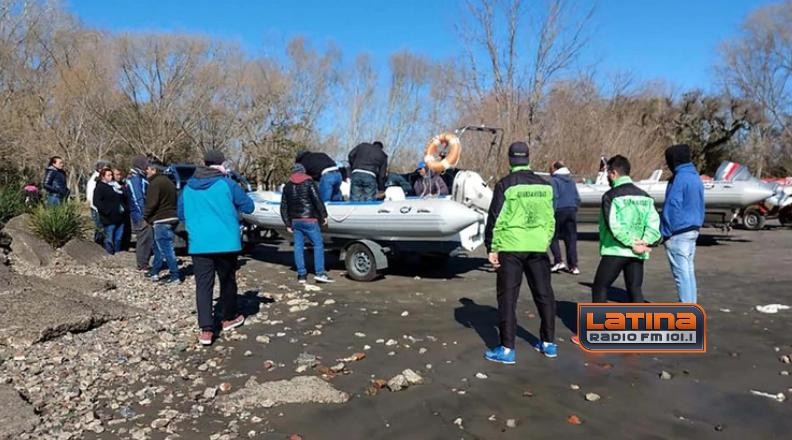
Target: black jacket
<point x="161" y="200"/>
<point x="109" y="204"/>
<point x="300" y="200"/>
<point x="315" y="163"/>
<point x="55" y="182"/>
<point x="367" y="157"/>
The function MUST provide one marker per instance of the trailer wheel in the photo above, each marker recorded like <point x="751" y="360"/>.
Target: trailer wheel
<point x="360" y="263"/>
<point x="753" y="219"/>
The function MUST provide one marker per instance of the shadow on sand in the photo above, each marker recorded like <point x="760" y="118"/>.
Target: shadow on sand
<point x="484" y="320"/>
<point x="411" y="266"/>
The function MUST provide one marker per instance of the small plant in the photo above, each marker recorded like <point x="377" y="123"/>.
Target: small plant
<point x="58" y="224"/>
<point x="12" y="202"/>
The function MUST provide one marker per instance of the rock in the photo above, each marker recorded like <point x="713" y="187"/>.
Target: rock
<point x="225" y="387"/>
<point x="785" y="359"/>
<point x="353" y="358"/>
<point x="574" y="386"/>
<point x="398" y="383"/>
<point x="574" y="420"/>
<point x="360" y="335"/>
<point x="665" y="375"/>
<point x="391" y="342"/>
<point x="511" y="423"/>
<point x="25" y="246"/>
<point x="159" y="423"/>
<point x="337" y="368"/>
<point x="592" y="397"/>
<point x="295" y="437"/>
<point x="17" y="415"/>
<point x="481" y="376"/>
<point x="306" y="360"/>
<point x="458" y="422"/>
<point x="263" y="339"/>
<point x="405" y="313"/>
<point x="84" y="252"/>
<point x="300" y="389"/>
<point x="779" y="397"/>
<point x="329" y="302"/>
<point x="36" y="310"/>
<point x="412" y="377"/>
<point x="83" y="283"/>
<point x="210" y="393"/>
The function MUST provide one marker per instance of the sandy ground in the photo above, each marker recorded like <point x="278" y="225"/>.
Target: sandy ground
<point x="451" y="313"/>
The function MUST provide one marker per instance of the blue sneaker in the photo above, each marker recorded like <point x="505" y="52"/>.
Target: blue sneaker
<point x="548" y="349"/>
<point x="497" y="355"/>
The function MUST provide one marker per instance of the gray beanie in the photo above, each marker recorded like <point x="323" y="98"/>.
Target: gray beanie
<point x="140" y="162"/>
<point x="298" y="168"/>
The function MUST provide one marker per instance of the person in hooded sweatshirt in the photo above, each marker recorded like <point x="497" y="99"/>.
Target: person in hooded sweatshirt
<point x="137" y="186"/>
<point x="110" y="208"/>
<point x="681" y="219"/>
<point x="566" y="201"/>
<point x="209" y="206"/>
<point x="369" y="165"/>
<point x="303" y="212"/>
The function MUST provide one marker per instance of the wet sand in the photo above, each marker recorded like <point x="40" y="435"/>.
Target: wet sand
<point x="451" y="313"/>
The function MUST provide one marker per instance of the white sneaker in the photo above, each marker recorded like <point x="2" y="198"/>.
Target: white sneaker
<point x="558" y="267"/>
<point x="323" y="278"/>
<point x="574" y="271"/>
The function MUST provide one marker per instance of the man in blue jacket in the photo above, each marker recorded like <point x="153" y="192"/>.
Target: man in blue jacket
<point x="566" y="201"/>
<point x="137" y="186"/>
<point x="209" y="206"/>
<point x="682" y="217"/>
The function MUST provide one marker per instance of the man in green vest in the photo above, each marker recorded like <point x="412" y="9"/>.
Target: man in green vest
<point x="520" y="226"/>
<point x="628" y="226"/>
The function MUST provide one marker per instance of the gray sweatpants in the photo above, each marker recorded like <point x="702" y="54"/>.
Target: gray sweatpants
<point x="143" y="243"/>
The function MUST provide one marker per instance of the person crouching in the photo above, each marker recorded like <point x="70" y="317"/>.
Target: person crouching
<point x="303" y="212"/>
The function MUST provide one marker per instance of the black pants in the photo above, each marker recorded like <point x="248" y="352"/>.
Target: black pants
<point x="536" y="267"/>
<point x="205" y="267"/>
<point x="607" y="272"/>
<point x="565" y="229"/>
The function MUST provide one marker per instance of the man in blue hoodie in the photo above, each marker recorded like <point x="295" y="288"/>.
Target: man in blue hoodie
<point x="137" y="186"/>
<point x="209" y="206"/>
<point x="683" y="215"/>
<point x="566" y="201"/>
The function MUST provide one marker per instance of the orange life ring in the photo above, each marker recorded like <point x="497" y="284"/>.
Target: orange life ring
<point x="435" y="146"/>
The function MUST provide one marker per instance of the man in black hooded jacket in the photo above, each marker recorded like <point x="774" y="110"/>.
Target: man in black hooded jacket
<point x="369" y="165"/>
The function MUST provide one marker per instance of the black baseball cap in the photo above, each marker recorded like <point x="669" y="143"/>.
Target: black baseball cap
<point x="518" y="154"/>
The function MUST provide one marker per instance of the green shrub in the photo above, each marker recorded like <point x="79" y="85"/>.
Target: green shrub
<point x="58" y="224"/>
<point x="12" y="202"/>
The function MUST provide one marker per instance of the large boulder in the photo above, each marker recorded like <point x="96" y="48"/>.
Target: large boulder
<point x="83" y="251"/>
<point x="17" y="415"/>
<point x="25" y="246"/>
<point x="36" y="310"/>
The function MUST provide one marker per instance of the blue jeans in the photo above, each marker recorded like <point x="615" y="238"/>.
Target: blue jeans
<point x="311" y="229"/>
<point x="54" y="200"/>
<point x="681" y="251"/>
<point x="330" y="187"/>
<point x="363" y="187"/>
<point x="112" y="238"/>
<point x="163" y="250"/>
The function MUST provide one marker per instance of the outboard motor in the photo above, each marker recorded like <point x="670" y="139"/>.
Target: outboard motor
<point x="472" y="191"/>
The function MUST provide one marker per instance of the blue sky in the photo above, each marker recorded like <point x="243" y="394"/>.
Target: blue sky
<point x="674" y="40"/>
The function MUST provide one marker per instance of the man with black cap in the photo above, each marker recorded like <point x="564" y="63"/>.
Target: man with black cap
<point x="137" y="187"/>
<point x="209" y="206"/>
<point x="369" y="165"/>
<point x="519" y="228"/>
<point x="682" y="217"/>
<point x="324" y="170"/>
